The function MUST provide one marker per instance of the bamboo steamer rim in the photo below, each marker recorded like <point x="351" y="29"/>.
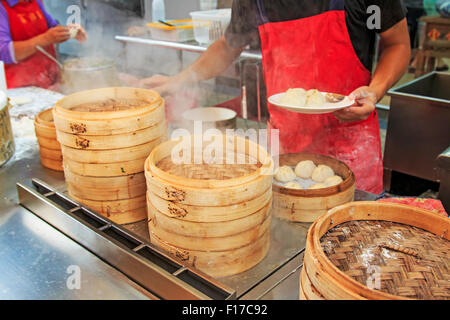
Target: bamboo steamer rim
<point x="333" y="289"/>
<point x="129" y="204"/>
<point x="103" y="156"/>
<point x="99" y="127"/>
<point x="100" y="182"/>
<point x="204" y="244"/>
<point x="92" y="96"/>
<point x="203" y="197"/>
<point x="212" y="263"/>
<point x="318" y="159"/>
<point x="416" y="217"/>
<point x="51" y="164"/>
<point x="164" y="149"/>
<point x="209" y="229"/>
<point x="45" y="119"/>
<point x="195" y="213"/>
<point x="309" y="292"/>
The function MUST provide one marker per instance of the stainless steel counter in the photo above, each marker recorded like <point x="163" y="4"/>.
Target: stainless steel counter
<point x="35" y="257"/>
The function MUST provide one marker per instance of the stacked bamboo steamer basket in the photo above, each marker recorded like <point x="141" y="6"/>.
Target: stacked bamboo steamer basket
<point x="377" y="251"/>
<point x="106" y="135"/>
<point x="215" y="217"/>
<point x="307" y="205"/>
<point x="49" y="147"/>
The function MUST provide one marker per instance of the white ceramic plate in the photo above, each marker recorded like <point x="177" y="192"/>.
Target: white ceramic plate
<point x="326" y="108"/>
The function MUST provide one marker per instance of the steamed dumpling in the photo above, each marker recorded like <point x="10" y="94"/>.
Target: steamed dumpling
<point x="317" y="186"/>
<point x="293" y="185"/>
<point x="321" y="173"/>
<point x="285" y="174"/>
<point x="304" y="169"/>
<point x="314" y="98"/>
<point x="296" y="97"/>
<point x="333" y="181"/>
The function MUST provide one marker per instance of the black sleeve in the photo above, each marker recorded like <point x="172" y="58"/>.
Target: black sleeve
<point x="392" y="12"/>
<point x="243" y="28"/>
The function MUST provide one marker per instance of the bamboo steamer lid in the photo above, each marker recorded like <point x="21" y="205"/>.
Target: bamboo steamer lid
<point x="148" y="119"/>
<point x="220" y="264"/>
<point x="307" y="205"/>
<point x="414" y="265"/>
<point x="208" y="229"/>
<point x="100" y="122"/>
<point x="111" y="207"/>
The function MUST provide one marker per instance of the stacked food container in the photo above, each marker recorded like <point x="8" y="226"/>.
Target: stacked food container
<point x="106" y="135"/>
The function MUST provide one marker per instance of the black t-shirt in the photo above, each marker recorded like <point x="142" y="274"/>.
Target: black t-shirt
<point x="243" y="29"/>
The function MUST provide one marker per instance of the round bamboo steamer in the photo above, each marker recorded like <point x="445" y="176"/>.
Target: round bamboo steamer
<point x="112" y="207"/>
<point x="55" y="165"/>
<point x="334" y="284"/>
<point x="220" y="264"/>
<point x="208" y="229"/>
<point x="104" y="182"/>
<point x="125" y="168"/>
<point x="307" y="205"/>
<point x="107" y="194"/>
<point x="44" y="125"/>
<point x="205" y="214"/>
<point x="109" y="122"/>
<point x="118" y="141"/>
<point x="111" y="156"/>
<point x="209" y="244"/>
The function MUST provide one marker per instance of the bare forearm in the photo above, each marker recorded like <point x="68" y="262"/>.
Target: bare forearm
<point x="25" y="49"/>
<point x="212" y="63"/>
<point x="391" y="67"/>
<point x="394" y="60"/>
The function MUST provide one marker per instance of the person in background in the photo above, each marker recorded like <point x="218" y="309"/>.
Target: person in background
<point x="316" y="44"/>
<point x="24" y="25"/>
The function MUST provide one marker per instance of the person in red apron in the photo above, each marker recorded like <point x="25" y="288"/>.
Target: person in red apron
<point x="308" y="44"/>
<point x="24" y="25"/>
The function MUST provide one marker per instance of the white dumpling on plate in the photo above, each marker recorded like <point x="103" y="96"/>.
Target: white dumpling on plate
<point x="333" y="181"/>
<point x="295" y="97"/>
<point x="285" y="174"/>
<point x="315" y="98"/>
<point x="321" y="173"/>
<point x="304" y="169"/>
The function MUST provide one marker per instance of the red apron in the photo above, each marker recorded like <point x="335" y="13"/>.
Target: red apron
<point x="27" y="21"/>
<point x="317" y="53"/>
